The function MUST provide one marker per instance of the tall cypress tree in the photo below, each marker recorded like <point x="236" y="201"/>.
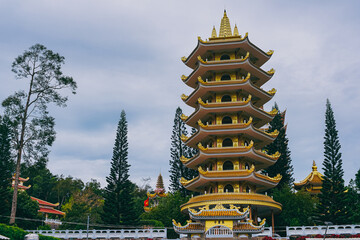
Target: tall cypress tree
<point x="178" y="149"/>
<point x="332" y="206"/>
<point x="118" y="205"/>
<point x="6" y="164"/>
<point x="283" y="165"/>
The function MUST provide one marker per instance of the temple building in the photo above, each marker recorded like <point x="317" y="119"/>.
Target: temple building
<point x="154" y="197"/>
<point x="46" y="208"/>
<point x="231" y="135"/>
<point x="312" y="183"/>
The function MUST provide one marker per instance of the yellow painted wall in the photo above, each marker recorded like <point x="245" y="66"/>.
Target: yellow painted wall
<point x="209" y="224"/>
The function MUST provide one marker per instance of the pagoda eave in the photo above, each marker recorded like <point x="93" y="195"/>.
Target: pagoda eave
<point x="262" y="182"/>
<point x="257" y="93"/>
<point x="216" y="213"/>
<point x="262" y="116"/>
<point x="246" y="65"/>
<point x="261" y="138"/>
<point x="261" y="160"/>
<point x="264" y="204"/>
<point x="228" y="44"/>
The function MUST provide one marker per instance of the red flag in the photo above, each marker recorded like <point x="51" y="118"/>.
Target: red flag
<point x="146" y="202"/>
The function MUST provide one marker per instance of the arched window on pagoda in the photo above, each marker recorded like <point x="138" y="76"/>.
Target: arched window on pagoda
<point x="228" y="188"/>
<point x="247" y="166"/>
<point x="227" y="142"/>
<point x="228" y="165"/>
<point x="225" y="77"/>
<point x="226" y="120"/>
<point x="246" y="143"/>
<point x="226" y="98"/>
<point x="248" y="189"/>
<point x="245" y="120"/>
<point x="225" y="57"/>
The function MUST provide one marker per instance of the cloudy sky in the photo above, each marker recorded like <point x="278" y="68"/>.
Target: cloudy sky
<point x="126" y="55"/>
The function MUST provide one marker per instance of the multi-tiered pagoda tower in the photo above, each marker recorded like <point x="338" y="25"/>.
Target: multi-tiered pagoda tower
<point x="231" y="123"/>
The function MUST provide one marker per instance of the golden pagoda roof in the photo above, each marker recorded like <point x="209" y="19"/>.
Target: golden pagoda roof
<point x="262" y="181"/>
<point x="230" y="107"/>
<point x="248" y="226"/>
<point x="247" y="129"/>
<point x="264" y="203"/>
<point x="219" y="211"/>
<point x="223" y="65"/>
<point x="314" y="179"/>
<point x="156" y="194"/>
<point x="261" y="158"/>
<point x="190" y="227"/>
<point x="245" y="84"/>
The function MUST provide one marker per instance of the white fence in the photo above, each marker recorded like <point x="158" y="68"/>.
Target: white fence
<point x="313" y="230"/>
<point x="107" y="234"/>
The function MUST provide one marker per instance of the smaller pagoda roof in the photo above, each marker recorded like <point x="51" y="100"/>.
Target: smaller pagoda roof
<point x="262" y="181"/>
<point x="51" y="210"/>
<point x="249" y="227"/>
<point x="190" y="227"/>
<point x="44" y="203"/>
<point x="21" y="179"/>
<point x="313" y="180"/>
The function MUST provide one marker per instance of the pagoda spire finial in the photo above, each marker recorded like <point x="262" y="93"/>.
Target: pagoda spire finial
<point x="160" y="182"/>
<point x="236" y="31"/>
<point x="213" y="33"/>
<point x="225" y="28"/>
<point x="314" y="167"/>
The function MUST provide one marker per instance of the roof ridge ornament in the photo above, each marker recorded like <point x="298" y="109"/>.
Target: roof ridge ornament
<point x="213" y="33"/>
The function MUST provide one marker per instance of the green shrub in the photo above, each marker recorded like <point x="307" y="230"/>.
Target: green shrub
<point x="15" y="233"/>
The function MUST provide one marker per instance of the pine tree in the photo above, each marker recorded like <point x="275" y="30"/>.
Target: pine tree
<point x="283" y="165"/>
<point x="178" y="149"/>
<point x="6" y="163"/>
<point x="118" y="205"/>
<point x="332" y="206"/>
<point x="190" y="152"/>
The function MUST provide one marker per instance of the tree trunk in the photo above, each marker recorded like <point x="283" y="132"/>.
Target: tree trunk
<point x="18" y="160"/>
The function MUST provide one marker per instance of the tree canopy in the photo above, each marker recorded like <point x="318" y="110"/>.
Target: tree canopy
<point x="32" y="126"/>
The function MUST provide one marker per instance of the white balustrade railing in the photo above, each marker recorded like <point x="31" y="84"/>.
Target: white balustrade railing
<point x="219" y="232"/>
<point x="107" y="234"/>
<point x="331" y="229"/>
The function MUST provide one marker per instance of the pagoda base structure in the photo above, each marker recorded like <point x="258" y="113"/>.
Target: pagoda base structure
<point x="225" y="215"/>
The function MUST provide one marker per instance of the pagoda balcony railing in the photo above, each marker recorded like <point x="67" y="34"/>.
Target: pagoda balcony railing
<point x="313" y="230"/>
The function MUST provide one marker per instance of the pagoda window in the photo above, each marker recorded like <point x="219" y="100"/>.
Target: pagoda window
<point x="227" y="142"/>
<point x="226" y="98"/>
<point x="246" y="143"/>
<point x="248" y="189"/>
<point x="228" y="165"/>
<point x="247" y="166"/>
<point x="225" y="57"/>
<point x="225" y="77"/>
<point x="229" y="188"/>
<point x="226" y="120"/>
